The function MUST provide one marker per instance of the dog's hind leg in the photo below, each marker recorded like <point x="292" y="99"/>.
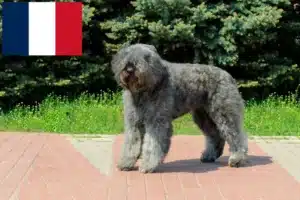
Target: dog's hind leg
<point x="214" y="143"/>
<point x="228" y="119"/>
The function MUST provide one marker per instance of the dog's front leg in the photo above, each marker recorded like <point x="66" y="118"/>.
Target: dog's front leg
<point x="134" y="131"/>
<point x="131" y="149"/>
<point x="156" y="143"/>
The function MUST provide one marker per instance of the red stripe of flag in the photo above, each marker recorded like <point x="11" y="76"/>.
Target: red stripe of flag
<point x="68" y="28"/>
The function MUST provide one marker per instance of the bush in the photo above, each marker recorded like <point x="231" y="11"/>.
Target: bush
<point x="256" y="41"/>
<point x="31" y="79"/>
<point x="240" y="36"/>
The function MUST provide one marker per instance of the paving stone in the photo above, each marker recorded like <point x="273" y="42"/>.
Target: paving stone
<point x="50" y="167"/>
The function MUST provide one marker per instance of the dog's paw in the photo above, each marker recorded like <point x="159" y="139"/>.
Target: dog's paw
<point x="121" y="168"/>
<point x="237" y="159"/>
<point x="148" y="167"/>
<point x="125" y="165"/>
<point x="146" y="170"/>
<point x="208" y="157"/>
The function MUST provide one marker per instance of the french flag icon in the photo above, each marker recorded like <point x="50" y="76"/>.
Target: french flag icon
<point x="42" y="28"/>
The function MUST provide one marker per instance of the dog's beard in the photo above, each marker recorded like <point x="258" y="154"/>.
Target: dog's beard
<point x="132" y="81"/>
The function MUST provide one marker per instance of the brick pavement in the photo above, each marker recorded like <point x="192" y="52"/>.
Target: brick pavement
<point x="284" y="151"/>
<point x="42" y="167"/>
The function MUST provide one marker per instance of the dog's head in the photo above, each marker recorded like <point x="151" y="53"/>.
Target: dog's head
<point x="138" y="67"/>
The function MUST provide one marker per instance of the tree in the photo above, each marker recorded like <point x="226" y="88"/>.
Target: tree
<point x="239" y="36"/>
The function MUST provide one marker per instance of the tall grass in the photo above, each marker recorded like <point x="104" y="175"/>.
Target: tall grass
<point x="103" y="114"/>
<point x="276" y="115"/>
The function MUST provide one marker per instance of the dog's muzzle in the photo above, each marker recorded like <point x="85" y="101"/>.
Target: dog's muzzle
<point x="129" y="79"/>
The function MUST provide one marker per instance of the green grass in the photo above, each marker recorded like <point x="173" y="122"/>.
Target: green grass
<point x="103" y="115"/>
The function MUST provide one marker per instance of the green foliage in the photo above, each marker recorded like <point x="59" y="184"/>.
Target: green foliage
<point x="216" y="30"/>
<point x="104" y="115"/>
<point x="243" y="37"/>
<point x="30" y="79"/>
<point x="256" y="41"/>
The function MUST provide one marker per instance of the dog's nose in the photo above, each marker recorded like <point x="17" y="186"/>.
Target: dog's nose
<point x="129" y="70"/>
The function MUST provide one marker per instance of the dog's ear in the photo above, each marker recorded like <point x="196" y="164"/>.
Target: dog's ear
<point x="116" y="61"/>
<point x="147" y="57"/>
<point x="119" y="56"/>
<point x="152" y="48"/>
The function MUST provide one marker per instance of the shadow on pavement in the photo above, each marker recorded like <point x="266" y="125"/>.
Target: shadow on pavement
<point x="194" y="165"/>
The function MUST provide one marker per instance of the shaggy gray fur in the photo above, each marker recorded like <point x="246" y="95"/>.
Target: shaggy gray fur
<point x="157" y="92"/>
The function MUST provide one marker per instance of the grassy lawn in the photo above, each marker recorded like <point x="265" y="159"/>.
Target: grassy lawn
<point x="103" y="114"/>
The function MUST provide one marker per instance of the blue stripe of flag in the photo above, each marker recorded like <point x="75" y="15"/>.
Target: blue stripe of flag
<point x="15" y="26"/>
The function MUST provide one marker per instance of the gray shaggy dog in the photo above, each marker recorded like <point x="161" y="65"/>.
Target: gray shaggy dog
<point x="157" y="91"/>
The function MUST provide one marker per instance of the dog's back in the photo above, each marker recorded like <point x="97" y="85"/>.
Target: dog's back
<point x="194" y="84"/>
<point x="200" y="74"/>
